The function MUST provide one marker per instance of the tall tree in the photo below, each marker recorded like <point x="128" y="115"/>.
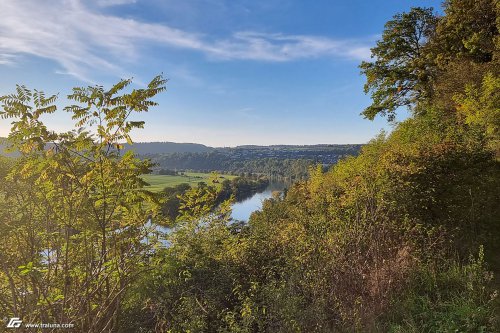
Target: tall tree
<point x="399" y="74"/>
<point x="73" y="218"/>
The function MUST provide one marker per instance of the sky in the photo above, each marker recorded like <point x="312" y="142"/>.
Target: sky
<point x="240" y="71"/>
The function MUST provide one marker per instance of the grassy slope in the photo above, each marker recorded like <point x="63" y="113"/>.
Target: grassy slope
<point x="159" y="182"/>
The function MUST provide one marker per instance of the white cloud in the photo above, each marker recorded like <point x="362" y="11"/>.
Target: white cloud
<point x="281" y="47"/>
<point x="106" y="3"/>
<point x="83" y="40"/>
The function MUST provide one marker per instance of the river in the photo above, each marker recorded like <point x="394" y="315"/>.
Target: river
<point x="241" y="211"/>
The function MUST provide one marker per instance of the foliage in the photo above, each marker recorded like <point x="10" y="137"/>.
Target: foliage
<point x="73" y="212"/>
<point x="379" y="242"/>
<point x="450" y="299"/>
<point x="480" y="106"/>
<point x="399" y="76"/>
<point x="468" y="31"/>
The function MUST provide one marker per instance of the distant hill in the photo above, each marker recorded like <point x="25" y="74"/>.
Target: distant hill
<point x="144" y="148"/>
<point x="326" y="153"/>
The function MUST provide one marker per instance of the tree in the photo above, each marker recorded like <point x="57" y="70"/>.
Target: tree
<point x="399" y="75"/>
<point x="468" y="31"/>
<point x="74" y="213"/>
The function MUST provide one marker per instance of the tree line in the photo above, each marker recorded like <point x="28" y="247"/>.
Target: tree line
<point x="274" y="168"/>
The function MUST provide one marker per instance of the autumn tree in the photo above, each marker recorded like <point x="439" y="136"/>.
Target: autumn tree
<point x="74" y="213"/>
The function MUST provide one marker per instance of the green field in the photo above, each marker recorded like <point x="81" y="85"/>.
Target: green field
<point x="159" y="182"/>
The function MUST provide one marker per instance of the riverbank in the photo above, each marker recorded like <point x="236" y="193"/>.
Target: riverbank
<point x="238" y="188"/>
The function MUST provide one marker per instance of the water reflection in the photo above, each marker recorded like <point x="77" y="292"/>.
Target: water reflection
<point x="241" y="211"/>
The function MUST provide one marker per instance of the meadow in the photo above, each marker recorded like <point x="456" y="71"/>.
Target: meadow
<point x="159" y="182"/>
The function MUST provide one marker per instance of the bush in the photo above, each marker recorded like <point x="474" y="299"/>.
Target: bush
<point x="450" y="298"/>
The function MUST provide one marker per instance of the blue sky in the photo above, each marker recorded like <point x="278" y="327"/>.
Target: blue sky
<point x="240" y="71"/>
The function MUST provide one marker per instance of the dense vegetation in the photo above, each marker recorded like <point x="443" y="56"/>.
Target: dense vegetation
<point x="274" y="168"/>
<point x="73" y="216"/>
<point x="284" y="163"/>
<point x="402" y="238"/>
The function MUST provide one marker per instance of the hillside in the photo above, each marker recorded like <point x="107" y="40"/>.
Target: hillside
<point x="143" y="148"/>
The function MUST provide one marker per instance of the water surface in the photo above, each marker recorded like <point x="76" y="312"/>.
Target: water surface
<point x="241" y="210"/>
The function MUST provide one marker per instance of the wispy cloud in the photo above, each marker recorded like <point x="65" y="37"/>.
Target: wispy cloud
<point x="6" y="59"/>
<point x="281" y="47"/>
<point x="106" y="3"/>
<point x="81" y="39"/>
